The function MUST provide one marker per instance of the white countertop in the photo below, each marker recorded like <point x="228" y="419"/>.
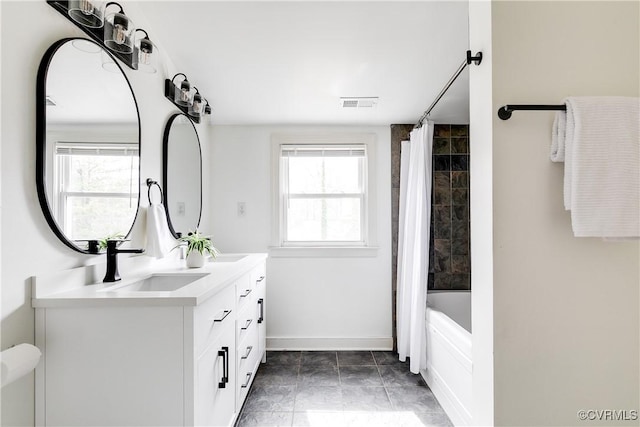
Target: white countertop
<point x="65" y="289"/>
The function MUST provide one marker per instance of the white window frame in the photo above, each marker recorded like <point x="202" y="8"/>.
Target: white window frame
<point x="364" y="248"/>
<point x="62" y="152"/>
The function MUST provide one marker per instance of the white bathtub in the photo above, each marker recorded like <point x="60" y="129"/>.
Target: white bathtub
<point x="449" y="362"/>
<point x="455" y="304"/>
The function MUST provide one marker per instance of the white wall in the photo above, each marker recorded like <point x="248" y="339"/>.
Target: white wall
<point x="566" y="325"/>
<point x="313" y="302"/>
<point x="481" y="211"/>
<point x="28" y="246"/>
<point x="0" y="206"/>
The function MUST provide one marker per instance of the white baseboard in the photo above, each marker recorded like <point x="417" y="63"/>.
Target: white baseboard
<point x="381" y="344"/>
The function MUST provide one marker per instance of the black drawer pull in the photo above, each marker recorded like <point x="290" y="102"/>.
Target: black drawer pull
<point x="261" y="304"/>
<point x="246" y="293"/>
<point x="246" y="356"/>
<point x="246" y="325"/>
<point x="260" y="279"/>
<point x="246" y="383"/>
<point x="224" y="316"/>
<point x="225" y="367"/>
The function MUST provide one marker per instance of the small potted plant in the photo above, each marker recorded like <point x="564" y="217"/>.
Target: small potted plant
<point x="102" y="243"/>
<point x="197" y="248"/>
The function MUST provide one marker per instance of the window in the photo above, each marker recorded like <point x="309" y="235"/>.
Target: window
<point x="323" y="191"/>
<point x="97" y="188"/>
<point x="323" y="194"/>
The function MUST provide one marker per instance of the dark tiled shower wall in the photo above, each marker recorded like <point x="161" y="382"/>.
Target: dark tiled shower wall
<point x="399" y="133"/>
<point x="449" y="261"/>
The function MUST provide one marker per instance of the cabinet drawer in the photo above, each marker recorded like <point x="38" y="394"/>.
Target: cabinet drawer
<point x="212" y="317"/>
<point x="245" y="290"/>
<point x="258" y="274"/>
<point x="246" y="320"/>
<point x="248" y="355"/>
<point x="247" y="338"/>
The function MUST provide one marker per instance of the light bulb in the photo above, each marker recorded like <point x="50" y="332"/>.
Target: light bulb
<point x="85" y="7"/>
<point x="119" y="35"/>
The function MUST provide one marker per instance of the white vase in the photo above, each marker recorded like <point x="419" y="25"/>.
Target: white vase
<point x="195" y="259"/>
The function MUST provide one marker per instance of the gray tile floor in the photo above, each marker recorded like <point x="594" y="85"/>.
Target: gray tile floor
<point x="334" y="389"/>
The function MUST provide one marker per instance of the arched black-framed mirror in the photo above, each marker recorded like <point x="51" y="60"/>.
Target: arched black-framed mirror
<point x="182" y="175"/>
<point x="87" y="144"/>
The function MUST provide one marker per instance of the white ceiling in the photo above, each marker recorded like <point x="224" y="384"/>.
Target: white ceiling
<point x="290" y="62"/>
<point x="84" y="91"/>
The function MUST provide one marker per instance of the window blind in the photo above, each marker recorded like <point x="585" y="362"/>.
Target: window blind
<point x="339" y="151"/>
<point x="97" y="149"/>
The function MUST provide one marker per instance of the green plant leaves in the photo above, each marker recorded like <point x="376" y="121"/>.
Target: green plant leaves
<point x="196" y="242"/>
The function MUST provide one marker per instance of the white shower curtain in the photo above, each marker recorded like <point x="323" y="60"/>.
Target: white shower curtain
<point x="413" y="246"/>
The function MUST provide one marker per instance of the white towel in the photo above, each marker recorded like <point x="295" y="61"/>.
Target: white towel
<point x="158" y="235"/>
<point x="568" y="159"/>
<point x="558" y="136"/>
<point x="602" y="166"/>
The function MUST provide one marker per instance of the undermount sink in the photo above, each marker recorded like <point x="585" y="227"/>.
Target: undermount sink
<point x="158" y="283"/>
<point x="228" y="258"/>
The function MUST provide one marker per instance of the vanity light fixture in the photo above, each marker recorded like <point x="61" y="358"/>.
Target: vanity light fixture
<point x="87" y="13"/>
<point x="186" y="97"/>
<point x="118" y="30"/>
<point x="207" y="112"/>
<point x="147" y="53"/>
<point x="182" y="94"/>
<point x="116" y="34"/>
<point x="197" y="106"/>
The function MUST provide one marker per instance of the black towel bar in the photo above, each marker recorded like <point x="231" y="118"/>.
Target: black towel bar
<point x="505" y="111"/>
<point x="150" y="183"/>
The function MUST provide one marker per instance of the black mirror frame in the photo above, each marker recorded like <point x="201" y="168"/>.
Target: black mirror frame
<point x="165" y="168"/>
<point x="41" y="140"/>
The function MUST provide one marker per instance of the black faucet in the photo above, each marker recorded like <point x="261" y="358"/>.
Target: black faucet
<point x="93" y="247"/>
<point x="112" y="260"/>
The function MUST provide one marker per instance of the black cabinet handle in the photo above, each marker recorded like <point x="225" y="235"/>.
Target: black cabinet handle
<point x="246" y="293"/>
<point x="225" y="367"/>
<point x="246" y="356"/>
<point x="246" y="326"/>
<point x="224" y="316"/>
<point x="246" y="383"/>
<point x="261" y="304"/>
<point x="260" y="279"/>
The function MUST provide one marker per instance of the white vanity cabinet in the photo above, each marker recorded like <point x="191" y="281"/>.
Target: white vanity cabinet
<point x="214" y="376"/>
<point x="163" y="361"/>
<point x="250" y="330"/>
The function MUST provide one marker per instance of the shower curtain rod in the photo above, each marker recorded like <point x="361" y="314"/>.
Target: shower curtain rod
<point x="477" y="59"/>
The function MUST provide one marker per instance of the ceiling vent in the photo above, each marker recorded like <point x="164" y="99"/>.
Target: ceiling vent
<point x="359" y="102"/>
